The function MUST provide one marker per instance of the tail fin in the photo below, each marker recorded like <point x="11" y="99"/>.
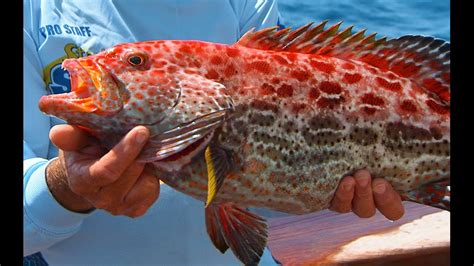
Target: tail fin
<point x="436" y="194"/>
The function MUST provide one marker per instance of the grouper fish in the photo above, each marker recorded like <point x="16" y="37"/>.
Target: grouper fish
<point x="274" y="120"/>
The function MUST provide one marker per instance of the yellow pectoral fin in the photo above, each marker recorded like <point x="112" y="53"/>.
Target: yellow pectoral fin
<point x="211" y="177"/>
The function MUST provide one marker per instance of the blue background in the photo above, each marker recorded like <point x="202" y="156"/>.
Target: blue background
<point x="391" y="18"/>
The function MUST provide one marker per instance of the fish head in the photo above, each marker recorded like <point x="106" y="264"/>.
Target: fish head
<point x="128" y="85"/>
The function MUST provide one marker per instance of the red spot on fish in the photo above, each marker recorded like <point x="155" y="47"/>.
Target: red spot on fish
<point x="313" y="93"/>
<point x="267" y="89"/>
<point x="348" y="66"/>
<point x="212" y="74"/>
<point x="232" y="51"/>
<point x="139" y="96"/>
<point x="230" y="71"/>
<point x="285" y="90"/>
<point x="330" y="103"/>
<point x="352" y="78"/>
<point x="371" y="99"/>
<point x="391" y="76"/>
<point x="369" y="110"/>
<point x="179" y="56"/>
<point x="196" y="63"/>
<point x="160" y="63"/>
<point x="172" y="69"/>
<point x="260" y="66"/>
<point x="373" y="70"/>
<point x="324" y="67"/>
<point x="280" y="59"/>
<point x="151" y="92"/>
<point x="300" y="75"/>
<point x="292" y="56"/>
<point x="392" y="86"/>
<point x="275" y="81"/>
<point x="216" y="60"/>
<point x="185" y="49"/>
<point x="408" y="106"/>
<point x="330" y="87"/>
<point x="298" y="107"/>
<point x="438" y="108"/>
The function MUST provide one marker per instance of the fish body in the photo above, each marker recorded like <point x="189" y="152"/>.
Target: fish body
<point x="275" y="120"/>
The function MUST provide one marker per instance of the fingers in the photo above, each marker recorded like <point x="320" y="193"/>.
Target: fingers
<point x="114" y="194"/>
<point x="387" y="200"/>
<point x="68" y="138"/>
<point x="142" y="196"/>
<point x="112" y="165"/>
<point x="342" y="200"/>
<point x="363" y="204"/>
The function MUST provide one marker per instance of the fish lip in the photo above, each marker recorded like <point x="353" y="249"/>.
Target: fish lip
<point x="84" y="91"/>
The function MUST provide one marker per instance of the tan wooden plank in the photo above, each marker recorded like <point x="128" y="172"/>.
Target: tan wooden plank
<point x="329" y="238"/>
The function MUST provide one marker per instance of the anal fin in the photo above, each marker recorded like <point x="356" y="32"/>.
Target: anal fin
<point x="244" y="232"/>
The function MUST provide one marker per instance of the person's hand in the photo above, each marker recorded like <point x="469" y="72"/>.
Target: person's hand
<point x="86" y="177"/>
<point x="362" y="195"/>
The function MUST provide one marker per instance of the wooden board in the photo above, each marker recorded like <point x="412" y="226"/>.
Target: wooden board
<point x="421" y="237"/>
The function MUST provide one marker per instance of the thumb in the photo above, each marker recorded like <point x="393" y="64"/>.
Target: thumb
<point x="69" y="138"/>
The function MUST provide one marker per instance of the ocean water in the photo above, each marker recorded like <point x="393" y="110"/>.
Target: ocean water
<point x="391" y="18"/>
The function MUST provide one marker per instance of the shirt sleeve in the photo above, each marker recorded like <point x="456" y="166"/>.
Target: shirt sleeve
<point x="256" y="14"/>
<point x="45" y="221"/>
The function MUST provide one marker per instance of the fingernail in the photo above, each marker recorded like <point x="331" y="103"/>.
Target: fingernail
<point x="379" y="189"/>
<point x="140" y="136"/>
<point x="347" y="187"/>
<point x="363" y="182"/>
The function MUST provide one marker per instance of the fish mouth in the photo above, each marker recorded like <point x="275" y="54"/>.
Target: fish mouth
<point x="93" y="90"/>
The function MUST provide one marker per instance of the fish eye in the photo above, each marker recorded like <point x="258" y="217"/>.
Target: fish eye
<point x="136" y="60"/>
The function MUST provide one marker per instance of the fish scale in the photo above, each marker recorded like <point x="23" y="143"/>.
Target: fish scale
<point x="282" y="132"/>
<point x="274" y="120"/>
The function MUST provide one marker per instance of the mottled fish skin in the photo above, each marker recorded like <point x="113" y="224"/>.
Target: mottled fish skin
<point x="295" y="123"/>
<point x="303" y="121"/>
<point x="275" y="120"/>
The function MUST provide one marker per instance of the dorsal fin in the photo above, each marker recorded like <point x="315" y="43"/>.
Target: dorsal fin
<point x="424" y="60"/>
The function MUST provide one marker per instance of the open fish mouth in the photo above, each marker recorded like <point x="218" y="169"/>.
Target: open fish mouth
<point x="92" y="91"/>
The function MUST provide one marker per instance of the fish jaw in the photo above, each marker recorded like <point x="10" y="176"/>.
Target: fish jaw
<point x="93" y="91"/>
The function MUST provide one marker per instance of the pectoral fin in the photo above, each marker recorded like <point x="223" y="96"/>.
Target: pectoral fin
<point x="244" y="232"/>
<point x="218" y="165"/>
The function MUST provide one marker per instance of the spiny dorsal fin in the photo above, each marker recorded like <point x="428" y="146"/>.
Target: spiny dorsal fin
<point x="424" y="60"/>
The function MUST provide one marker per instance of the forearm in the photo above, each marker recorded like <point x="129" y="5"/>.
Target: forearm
<point x="45" y="221"/>
<point x="59" y="187"/>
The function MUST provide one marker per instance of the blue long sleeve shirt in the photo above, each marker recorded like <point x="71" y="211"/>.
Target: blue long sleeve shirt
<point x="173" y="231"/>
